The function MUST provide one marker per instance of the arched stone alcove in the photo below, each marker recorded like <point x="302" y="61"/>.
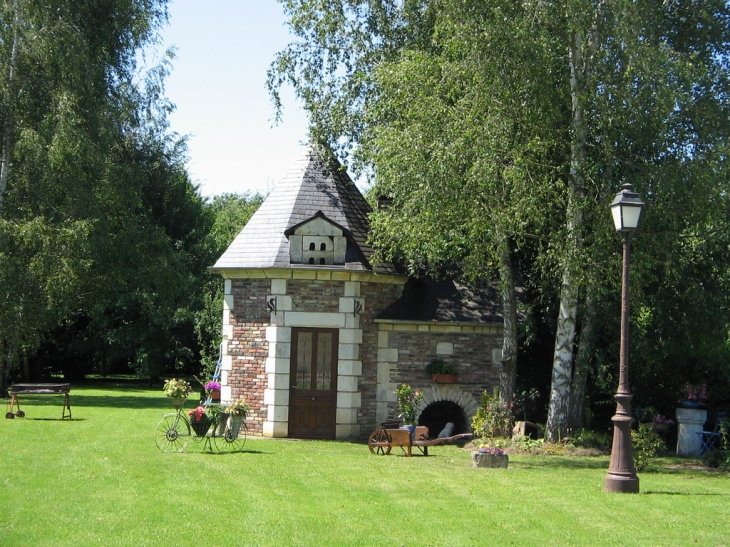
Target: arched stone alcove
<point x="444" y="403"/>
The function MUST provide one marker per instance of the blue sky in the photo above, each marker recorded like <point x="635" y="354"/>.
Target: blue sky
<point x="224" y="48"/>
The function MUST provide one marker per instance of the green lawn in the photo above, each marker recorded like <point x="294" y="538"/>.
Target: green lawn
<point x="99" y="479"/>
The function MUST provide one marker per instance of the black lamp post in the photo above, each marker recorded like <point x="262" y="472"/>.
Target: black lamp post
<point x="621" y="476"/>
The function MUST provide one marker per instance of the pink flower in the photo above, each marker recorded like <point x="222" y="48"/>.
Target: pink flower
<point x="197" y="414"/>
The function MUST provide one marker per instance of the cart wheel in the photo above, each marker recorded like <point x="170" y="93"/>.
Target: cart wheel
<point x="20" y="414"/>
<point x="378" y="443"/>
<point x="230" y="441"/>
<point x="172" y="433"/>
<point x="9" y="416"/>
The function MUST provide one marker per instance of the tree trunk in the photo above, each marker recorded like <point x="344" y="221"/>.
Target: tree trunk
<point x="8" y="125"/>
<point x="508" y="373"/>
<point x="582" y="363"/>
<point x="559" y="408"/>
<point x="560" y="385"/>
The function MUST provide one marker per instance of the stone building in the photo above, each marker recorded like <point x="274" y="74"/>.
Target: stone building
<point x="317" y="338"/>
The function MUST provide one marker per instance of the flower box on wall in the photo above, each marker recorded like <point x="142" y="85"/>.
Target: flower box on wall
<point x="442" y="372"/>
<point x="443" y="378"/>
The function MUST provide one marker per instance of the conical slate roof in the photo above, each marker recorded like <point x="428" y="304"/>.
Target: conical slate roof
<point x="312" y="185"/>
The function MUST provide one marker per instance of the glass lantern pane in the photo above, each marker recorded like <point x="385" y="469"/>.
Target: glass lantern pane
<point x="631" y="216"/>
<point x="616" y="211"/>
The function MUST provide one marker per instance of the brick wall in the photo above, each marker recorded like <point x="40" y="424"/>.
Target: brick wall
<point x="248" y="348"/>
<point x="315" y="295"/>
<point x="472" y="357"/>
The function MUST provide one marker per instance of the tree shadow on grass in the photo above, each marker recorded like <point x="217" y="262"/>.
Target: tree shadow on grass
<point x="241" y="452"/>
<point x="123" y="400"/>
<point x="676" y="493"/>
<point x="543" y="462"/>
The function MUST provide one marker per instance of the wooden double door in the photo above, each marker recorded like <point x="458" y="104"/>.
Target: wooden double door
<point x="313" y="392"/>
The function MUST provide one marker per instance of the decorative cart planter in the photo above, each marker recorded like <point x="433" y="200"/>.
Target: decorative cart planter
<point x="201" y="427"/>
<point x="236" y="422"/>
<point x="484" y="459"/>
<point x="178" y="402"/>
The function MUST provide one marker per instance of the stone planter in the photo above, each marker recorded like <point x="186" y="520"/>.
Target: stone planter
<point x="691" y="421"/>
<point x="484" y="459"/>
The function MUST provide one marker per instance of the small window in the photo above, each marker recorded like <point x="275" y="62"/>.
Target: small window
<point x="323" y="247"/>
<point x="321" y="260"/>
<point x="311" y="247"/>
<point x="311" y="260"/>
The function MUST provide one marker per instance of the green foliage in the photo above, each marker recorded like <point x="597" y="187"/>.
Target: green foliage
<point x="647" y="445"/>
<point x="723" y="427"/>
<point x="177" y="388"/>
<point x="230" y="214"/>
<point x="592" y="439"/>
<point x="525" y="401"/>
<point x="408" y="401"/>
<point x="439" y="366"/>
<point x="717" y="459"/>
<point x="492" y="419"/>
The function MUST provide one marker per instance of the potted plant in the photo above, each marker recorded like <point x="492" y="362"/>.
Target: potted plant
<point x="200" y="420"/>
<point x="178" y="391"/>
<point x="442" y="372"/>
<point x="489" y="456"/>
<point x="693" y="396"/>
<point x="213" y="389"/>
<point x="217" y="417"/>
<point x="661" y="423"/>
<point x="408" y="400"/>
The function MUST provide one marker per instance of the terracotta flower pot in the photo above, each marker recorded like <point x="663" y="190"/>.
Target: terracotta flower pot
<point x="443" y="378"/>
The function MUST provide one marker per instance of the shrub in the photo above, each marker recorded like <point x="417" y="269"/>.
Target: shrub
<point x="647" y="445"/>
<point x="718" y="459"/>
<point x="592" y="439"/>
<point x="493" y="418"/>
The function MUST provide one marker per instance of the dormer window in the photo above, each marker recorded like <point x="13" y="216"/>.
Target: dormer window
<point x="317" y="241"/>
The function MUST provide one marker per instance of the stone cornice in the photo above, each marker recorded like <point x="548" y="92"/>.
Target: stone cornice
<point x="311" y="274"/>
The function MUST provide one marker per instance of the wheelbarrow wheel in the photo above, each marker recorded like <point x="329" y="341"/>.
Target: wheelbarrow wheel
<point x="378" y="443"/>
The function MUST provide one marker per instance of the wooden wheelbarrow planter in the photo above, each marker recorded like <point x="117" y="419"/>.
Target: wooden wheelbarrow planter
<point x="38" y="389"/>
<point x="382" y="440"/>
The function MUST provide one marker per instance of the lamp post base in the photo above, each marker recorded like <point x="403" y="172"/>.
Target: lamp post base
<point x="621" y="476"/>
<point x="621" y="485"/>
